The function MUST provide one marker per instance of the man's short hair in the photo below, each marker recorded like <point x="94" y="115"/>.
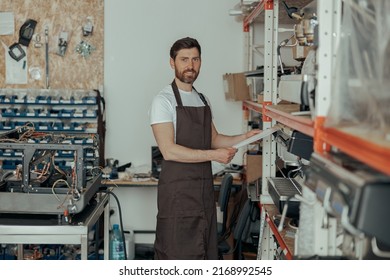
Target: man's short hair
<point x="184" y="43"/>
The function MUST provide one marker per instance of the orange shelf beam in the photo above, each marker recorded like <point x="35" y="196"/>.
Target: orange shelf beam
<point x="254" y="14"/>
<point x="287" y="251"/>
<point x="257" y="107"/>
<point x="370" y="153"/>
<point x="280" y="240"/>
<point x="302" y="124"/>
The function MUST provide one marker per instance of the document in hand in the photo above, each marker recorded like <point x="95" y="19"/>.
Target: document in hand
<point x="258" y="136"/>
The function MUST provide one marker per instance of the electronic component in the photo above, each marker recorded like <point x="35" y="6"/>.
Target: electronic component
<point x="301" y="145"/>
<point x="353" y="192"/>
<point x="282" y="192"/>
<point x="55" y="175"/>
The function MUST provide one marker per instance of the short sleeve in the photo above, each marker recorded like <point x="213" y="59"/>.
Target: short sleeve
<point x="161" y="110"/>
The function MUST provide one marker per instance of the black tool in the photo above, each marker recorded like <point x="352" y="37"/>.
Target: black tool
<point x="26" y="32"/>
<point x="122" y="168"/>
<point x="293" y="12"/>
<point x="16" y="51"/>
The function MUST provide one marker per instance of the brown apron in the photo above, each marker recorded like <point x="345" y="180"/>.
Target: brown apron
<point x="186" y="219"/>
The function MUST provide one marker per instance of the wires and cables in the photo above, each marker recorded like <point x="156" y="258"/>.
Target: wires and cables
<point x="56" y="196"/>
<point x="110" y="192"/>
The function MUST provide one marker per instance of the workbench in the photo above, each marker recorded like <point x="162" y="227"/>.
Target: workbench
<point x="47" y="229"/>
<point x="237" y="184"/>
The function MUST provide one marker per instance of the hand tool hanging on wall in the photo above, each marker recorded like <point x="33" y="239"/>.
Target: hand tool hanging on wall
<point x="47" y="55"/>
<point x="25" y="34"/>
<point x="62" y="43"/>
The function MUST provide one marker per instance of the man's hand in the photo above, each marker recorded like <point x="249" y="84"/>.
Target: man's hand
<point x="224" y="155"/>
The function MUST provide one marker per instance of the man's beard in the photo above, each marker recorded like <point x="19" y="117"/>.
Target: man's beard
<point x="186" y="79"/>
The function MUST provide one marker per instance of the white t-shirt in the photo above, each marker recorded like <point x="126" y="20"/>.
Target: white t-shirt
<point x="163" y="108"/>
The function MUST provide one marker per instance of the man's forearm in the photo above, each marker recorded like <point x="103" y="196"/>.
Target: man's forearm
<point x="183" y="154"/>
<point x="224" y="141"/>
<point x="186" y="155"/>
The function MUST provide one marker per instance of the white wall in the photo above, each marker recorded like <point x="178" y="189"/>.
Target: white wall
<point x="138" y="36"/>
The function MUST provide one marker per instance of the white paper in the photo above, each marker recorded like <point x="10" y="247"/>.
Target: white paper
<point x="217" y="167"/>
<point x="7" y="25"/>
<point x="257" y="137"/>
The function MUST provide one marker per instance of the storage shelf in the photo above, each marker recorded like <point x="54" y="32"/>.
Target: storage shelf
<point x="283" y="114"/>
<point x="254" y="14"/>
<point x="360" y="144"/>
<point x="257" y="107"/>
<point x="73" y="112"/>
<point x="50" y="103"/>
<point x="49" y="116"/>
<point x="285" y="242"/>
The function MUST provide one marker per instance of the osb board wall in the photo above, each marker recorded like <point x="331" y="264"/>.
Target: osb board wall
<point x="71" y="71"/>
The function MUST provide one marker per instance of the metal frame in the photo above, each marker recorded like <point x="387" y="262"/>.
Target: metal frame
<point x="59" y="234"/>
<point x="328" y="29"/>
<point x="270" y="92"/>
<point x="41" y="200"/>
<point x="29" y="150"/>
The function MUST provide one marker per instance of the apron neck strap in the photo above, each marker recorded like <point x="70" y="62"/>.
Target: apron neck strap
<point x="177" y="94"/>
<point x="178" y="98"/>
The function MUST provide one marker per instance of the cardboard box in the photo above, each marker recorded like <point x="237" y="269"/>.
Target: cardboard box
<point x="254" y="167"/>
<point x="235" y="87"/>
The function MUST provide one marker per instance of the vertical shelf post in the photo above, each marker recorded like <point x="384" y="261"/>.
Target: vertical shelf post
<point x="329" y="24"/>
<point x="270" y="91"/>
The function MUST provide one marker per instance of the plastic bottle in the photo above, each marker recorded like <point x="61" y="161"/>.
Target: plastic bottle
<point x="116" y="244"/>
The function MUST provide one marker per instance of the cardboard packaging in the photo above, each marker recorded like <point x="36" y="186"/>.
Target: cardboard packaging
<point x="254" y="167"/>
<point x="235" y="87"/>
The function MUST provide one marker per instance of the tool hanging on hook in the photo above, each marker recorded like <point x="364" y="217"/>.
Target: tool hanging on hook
<point x="47" y="55"/>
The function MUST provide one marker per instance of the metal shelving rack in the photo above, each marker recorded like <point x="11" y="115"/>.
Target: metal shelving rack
<point x="372" y="152"/>
<point x="273" y="113"/>
<point x="267" y="248"/>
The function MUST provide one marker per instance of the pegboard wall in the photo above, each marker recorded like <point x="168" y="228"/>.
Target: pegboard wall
<point x="71" y="71"/>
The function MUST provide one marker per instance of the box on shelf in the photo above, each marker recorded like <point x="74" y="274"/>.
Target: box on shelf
<point x="254" y="167"/>
<point x="235" y="87"/>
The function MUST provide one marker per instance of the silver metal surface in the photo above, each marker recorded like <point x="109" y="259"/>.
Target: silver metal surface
<point x="47" y="55"/>
<point x="25" y="195"/>
<point x="45" y="203"/>
<point x="285" y="188"/>
<point x="58" y="234"/>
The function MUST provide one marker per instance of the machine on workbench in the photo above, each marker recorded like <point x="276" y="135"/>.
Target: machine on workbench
<point x="54" y="173"/>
